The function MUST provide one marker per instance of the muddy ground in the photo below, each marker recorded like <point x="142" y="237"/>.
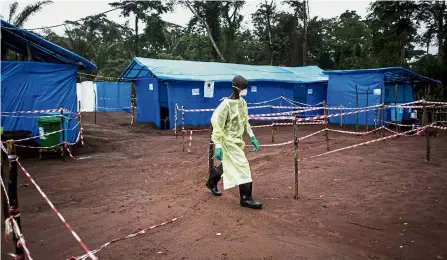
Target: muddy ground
<point x="381" y="201"/>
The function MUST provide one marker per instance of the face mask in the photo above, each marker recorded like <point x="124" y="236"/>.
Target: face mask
<point x="241" y="92"/>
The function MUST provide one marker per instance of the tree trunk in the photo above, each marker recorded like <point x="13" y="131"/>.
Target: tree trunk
<point x="440" y="13"/>
<point x="136" y="35"/>
<point x="305" y="33"/>
<point x="269" y="28"/>
<point x="207" y="28"/>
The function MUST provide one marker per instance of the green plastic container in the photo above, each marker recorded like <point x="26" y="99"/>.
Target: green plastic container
<point x="48" y="125"/>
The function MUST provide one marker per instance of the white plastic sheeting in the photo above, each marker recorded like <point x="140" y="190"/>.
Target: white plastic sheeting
<point x="86" y="92"/>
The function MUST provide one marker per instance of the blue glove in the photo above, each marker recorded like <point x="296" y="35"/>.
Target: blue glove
<point x="255" y="143"/>
<point x="218" y="153"/>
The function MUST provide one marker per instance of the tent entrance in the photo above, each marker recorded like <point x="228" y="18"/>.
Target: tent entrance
<point x="164" y="107"/>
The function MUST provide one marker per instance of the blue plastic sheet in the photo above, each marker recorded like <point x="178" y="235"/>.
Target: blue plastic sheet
<point x="113" y="96"/>
<point x="30" y="86"/>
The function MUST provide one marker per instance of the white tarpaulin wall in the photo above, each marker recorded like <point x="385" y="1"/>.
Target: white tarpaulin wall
<point x="86" y="92"/>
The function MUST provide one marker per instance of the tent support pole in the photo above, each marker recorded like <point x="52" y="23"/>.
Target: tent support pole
<point x="295" y="156"/>
<point x="341" y="116"/>
<point x="96" y="104"/>
<point x="382" y="114"/>
<point x="175" y="120"/>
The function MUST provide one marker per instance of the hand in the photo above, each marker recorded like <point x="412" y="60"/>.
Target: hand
<point x="255" y="143"/>
<point x="218" y="154"/>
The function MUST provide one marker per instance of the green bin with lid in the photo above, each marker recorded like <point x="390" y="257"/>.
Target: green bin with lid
<point x="48" y="124"/>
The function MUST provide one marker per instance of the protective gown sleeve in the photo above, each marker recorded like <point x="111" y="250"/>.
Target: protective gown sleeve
<point x="218" y="121"/>
<point x="247" y="126"/>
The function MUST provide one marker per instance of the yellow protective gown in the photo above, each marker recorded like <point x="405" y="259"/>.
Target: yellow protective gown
<point x="230" y="122"/>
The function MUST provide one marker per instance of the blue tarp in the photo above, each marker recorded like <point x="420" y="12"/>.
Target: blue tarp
<point x="218" y="72"/>
<point x="16" y="39"/>
<point x="379" y="84"/>
<point x="36" y="86"/>
<point x="113" y="96"/>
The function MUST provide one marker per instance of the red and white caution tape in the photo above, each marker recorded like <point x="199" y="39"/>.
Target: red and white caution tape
<point x="3" y="148"/>
<point x="355" y="133"/>
<point x="439" y="127"/>
<point x="435" y="103"/>
<point x="364" y="143"/>
<point x="264" y="102"/>
<point x="35" y="137"/>
<point x="272" y="145"/>
<point x="21" y="239"/>
<point x="44" y="196"/>
<point x="299" y="103"/>
<point x="310" y="135"/>
<point x="141" y="232"/>
<point x="11" y="224"/>
<point x="34" y="111"/>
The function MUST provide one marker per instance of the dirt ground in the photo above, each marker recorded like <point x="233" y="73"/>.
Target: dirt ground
<point x="381" y="201"/>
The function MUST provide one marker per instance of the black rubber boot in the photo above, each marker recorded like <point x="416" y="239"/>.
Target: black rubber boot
<point x="213" y="179"/>
<point x="246" y="198"/>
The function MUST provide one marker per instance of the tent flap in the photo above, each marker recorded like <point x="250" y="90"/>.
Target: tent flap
<point x="113" y="96"/>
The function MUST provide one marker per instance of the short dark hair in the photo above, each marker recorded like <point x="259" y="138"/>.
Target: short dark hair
<point x="240" y="82"/>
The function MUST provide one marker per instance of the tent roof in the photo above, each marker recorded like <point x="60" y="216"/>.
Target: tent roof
<point x="213" y="71"/>
<point x="16" y="39"/>
<point x="391" y="74"/>
<point x="308" y="74"/>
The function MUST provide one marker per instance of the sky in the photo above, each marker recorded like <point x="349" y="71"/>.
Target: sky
<point x="61" y="10"/>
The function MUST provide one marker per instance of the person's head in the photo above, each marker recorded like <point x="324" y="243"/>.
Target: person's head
<point x="240" y="85"/>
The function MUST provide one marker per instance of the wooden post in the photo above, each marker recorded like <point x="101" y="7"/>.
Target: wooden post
<point x="382" y="114"/>
<point x="183" y="128"/>
<point x="425" y="123"/>
<point x="341" y="116"/>
<point x="175" y="120"/>
<point x="210" y="152"/>
<point x="133" y="114"/>
<point x="63" y="133"/>
<point x="12" y="193"/>
<point x="357" y="105"/>
<point x="80" y="125"/>
<point x="273" y="123"/>
<point x="4" y="201"/>
<point x="367" y="112"/>
<point x="96" y="105"/>
<point x="395" y="109"/>
<point x="326" y="134"/>
<point x="295" y="156"/>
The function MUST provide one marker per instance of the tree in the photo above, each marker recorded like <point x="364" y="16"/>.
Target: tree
<point x="145" y="11"/>
<point x="19" y="19"/>
<point x="232" y="20"/>
<point x="208" y="14"/>
<point x="264" y="19"/>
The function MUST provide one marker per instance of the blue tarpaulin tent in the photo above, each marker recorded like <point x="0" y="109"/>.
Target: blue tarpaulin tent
<point x="46" y="81"/>
<point x="161" y="84"/>
<point x="378" y="85"/>
<point x="113" y="96"/>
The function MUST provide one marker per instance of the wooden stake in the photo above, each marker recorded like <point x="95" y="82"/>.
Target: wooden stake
<point x="395" y="109"/>
<point x="357" y="105"/>
<point x="326" y="133"/>
<point x="273" y="130"/>
<point x="425" y="123"/>
<point x="367" y="112"/>
<point x="295" y="156"/>
<point x="12" y="193"/>
<point x="341" y="116"/>
<point x="63" y="133"/>
<point x="210" y="152"/>
<point x="175" y="121"/>
<point x="382" y="114"/>
<point x="96" y="105"/>
<point x="183" y="128"/>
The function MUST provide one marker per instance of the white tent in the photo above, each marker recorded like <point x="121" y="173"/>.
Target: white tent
<point x="86" y="92"/>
